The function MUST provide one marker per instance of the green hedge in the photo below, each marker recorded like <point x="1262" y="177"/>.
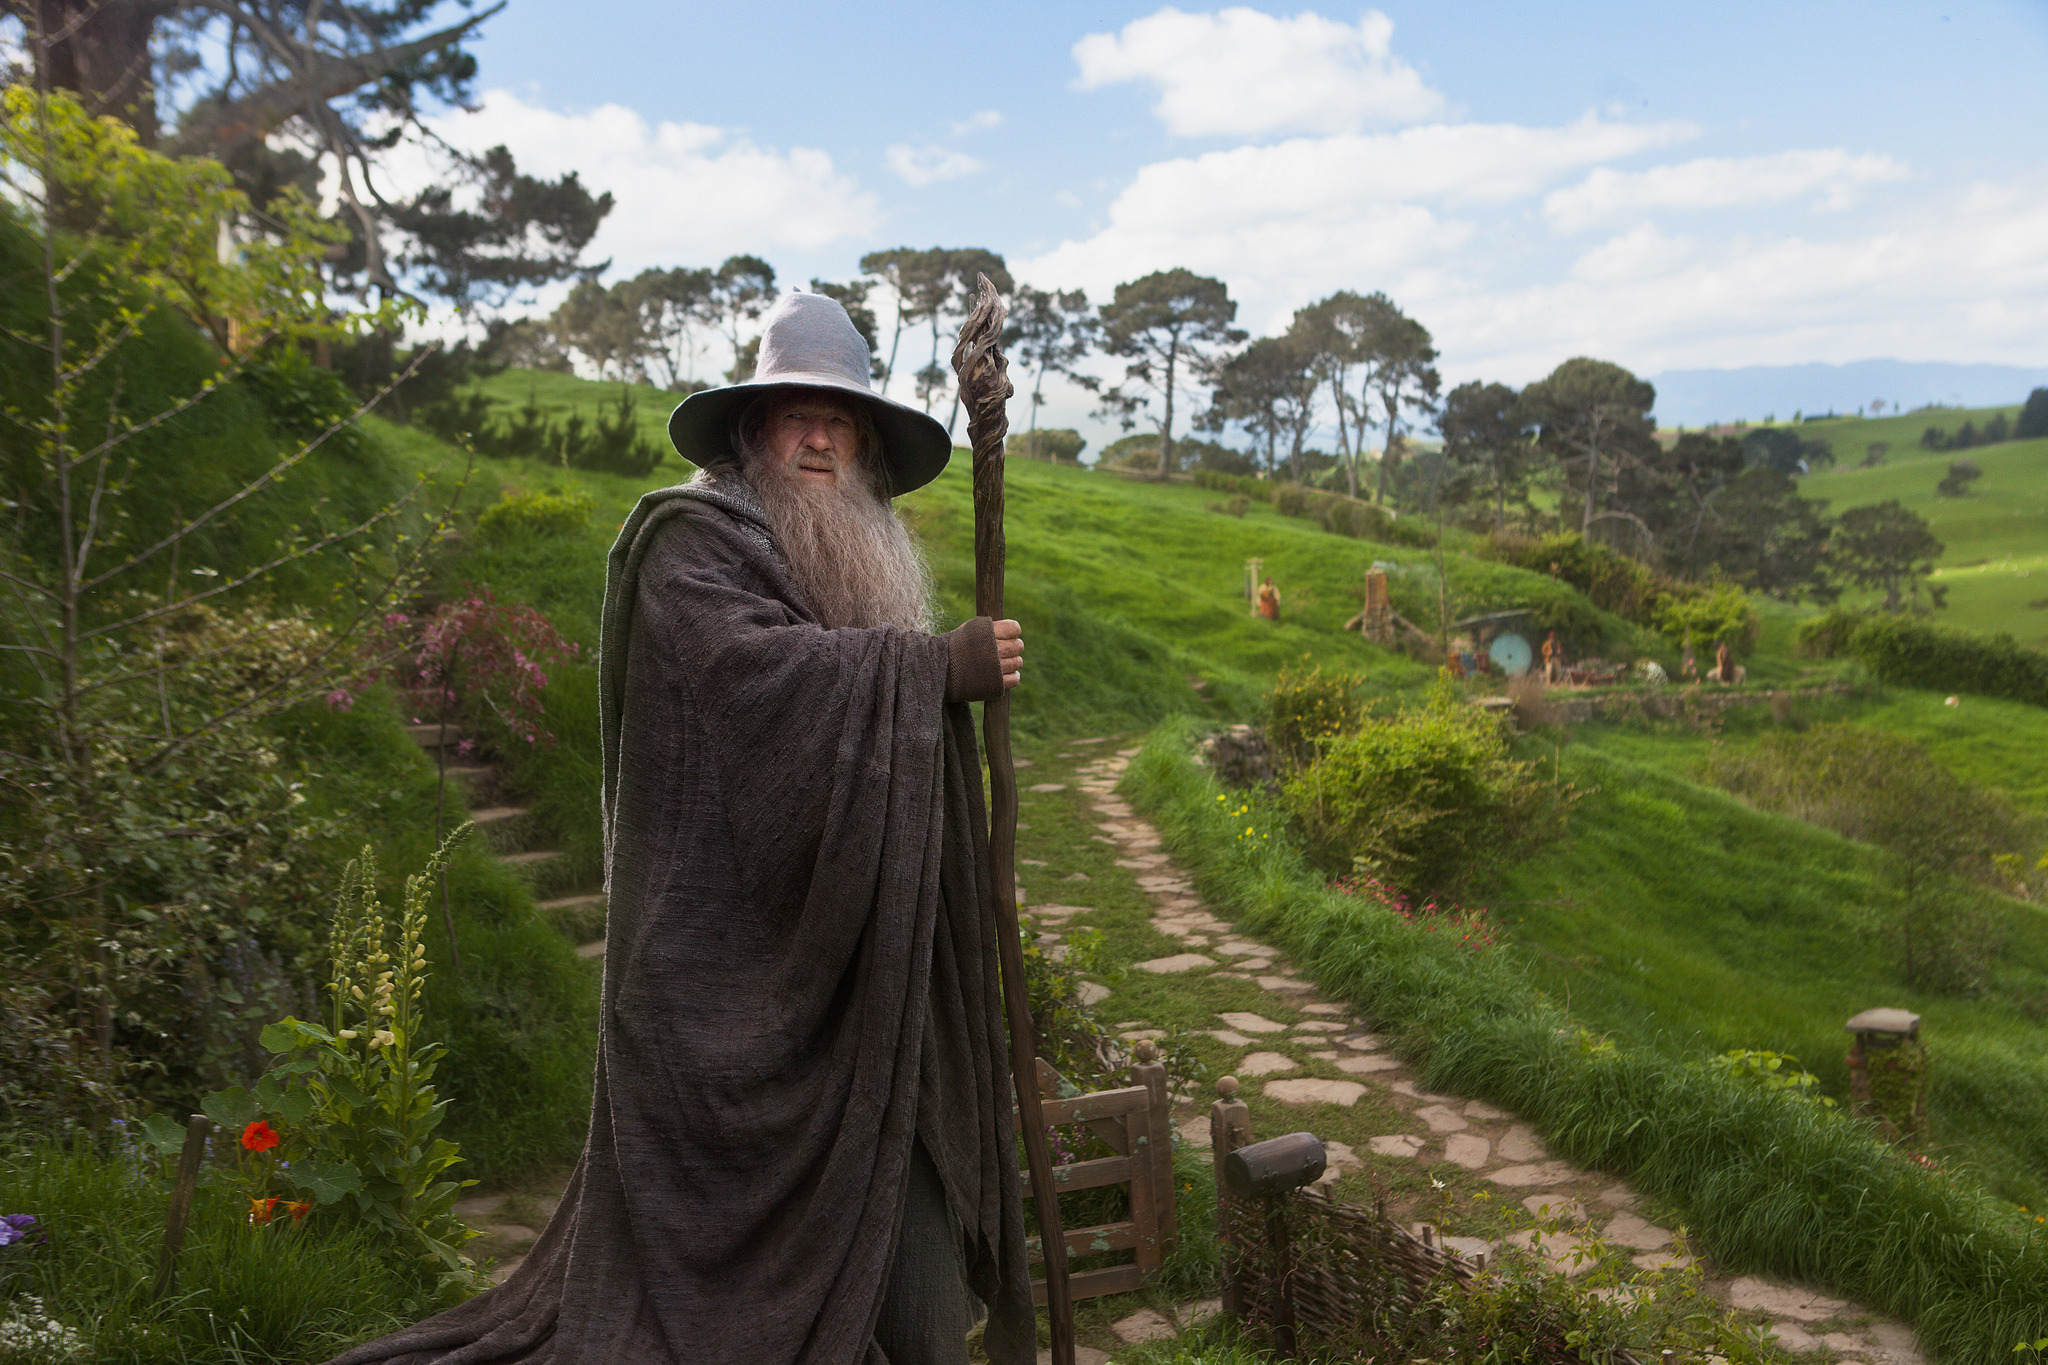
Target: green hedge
<point x="1338" y="515"/>
<point x="1914" y="653"/>
<point x="1772" y="1182"/>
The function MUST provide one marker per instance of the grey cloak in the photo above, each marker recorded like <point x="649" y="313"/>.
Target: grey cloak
<point x="799" y="979"/>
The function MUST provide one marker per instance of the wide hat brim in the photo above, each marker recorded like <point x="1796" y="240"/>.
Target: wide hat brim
<point x="915" y="445"/>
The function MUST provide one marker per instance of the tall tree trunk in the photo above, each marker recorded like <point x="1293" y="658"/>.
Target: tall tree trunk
<point x="1166" y="431"/>
<point x="1592" y="480"/>
<point x="1346" y="456"/>
<point x="105" y="59"/>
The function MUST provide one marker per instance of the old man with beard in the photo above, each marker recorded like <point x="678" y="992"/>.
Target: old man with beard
<point x="800" y="1143"/>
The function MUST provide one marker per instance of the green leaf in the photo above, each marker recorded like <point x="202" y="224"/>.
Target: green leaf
<point x="288" y="1033"/>
<point x="233" y="1108"/>
<point x="327" y="1181"/>
<point x="294" y="1104"/>
<point x="162" y="1134"/>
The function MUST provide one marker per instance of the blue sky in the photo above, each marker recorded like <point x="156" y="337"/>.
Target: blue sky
<point x="1666" y="185"/>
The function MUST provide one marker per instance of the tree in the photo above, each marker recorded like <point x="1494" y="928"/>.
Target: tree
<point x="1590" y="412"/>
<point x="1049" y="332"/>
<point x="917" y="281"/>
<point x="1335" y="334"/>
<point x="1402" y="372"/>
<point x="1783" y="449"/>
<point x="1892" y="547"/>
<point x="1956" y="483"/>
<point x="1487" y="431"/>
<point x="1762" y="534"/>
<point x="142" y="657"/>
<point x="741" y="290"/>
<point x="1257" y="389"/>
<point x="671" y="304"/>
<point x="605" y="327"/>
<point x="288" y="93"/>
<point x="1165" y="323"/>
<point x="2033" y="421"/>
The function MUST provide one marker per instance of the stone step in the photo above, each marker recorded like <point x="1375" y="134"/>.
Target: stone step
<point x="479" y="780"/>
<point x="595" y="948"/>
<point x="545" y="870"/>
<point x="578" y="918"/>
<point x="430" y="737"/>
<point x="506" y="829"/>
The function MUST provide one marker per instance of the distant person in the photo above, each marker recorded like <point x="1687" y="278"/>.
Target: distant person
<point x="1269" y="600"/>
<point x="1553" y="658"/>
<point x="1724" y="663"/>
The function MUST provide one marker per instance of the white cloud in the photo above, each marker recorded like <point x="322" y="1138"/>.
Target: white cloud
<point x="1286" y="222"/>
<point x="685" y="192"/>
<point x="1241" y="73"/>
<point x="1831" y="175"/>
<point x="979" y="122"/>
<point x="917" y="166"/>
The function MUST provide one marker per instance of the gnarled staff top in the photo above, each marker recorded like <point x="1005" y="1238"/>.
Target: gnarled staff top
<point x="984" y="373"/>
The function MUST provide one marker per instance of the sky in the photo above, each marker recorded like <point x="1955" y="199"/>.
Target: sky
<point x="1666" y="185"/>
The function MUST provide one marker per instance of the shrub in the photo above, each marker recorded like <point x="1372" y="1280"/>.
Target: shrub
<point x="1058" y="444"/>
<point x="1720" y="612"/>
<point x="1290" y="500"/>
<point x="1426" y="799"/>
<point x="550" y="512"/>
<point x="1222" y="482"/>
<point x="1914" y="653"/>
<point x="1956" y="483"/>
<point x="1238" y="505"/>
<point x="1308" y="709"/>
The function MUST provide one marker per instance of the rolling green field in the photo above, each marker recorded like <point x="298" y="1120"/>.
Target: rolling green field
<point x="1673" y="915"/>
<point x="1996" y="537"/>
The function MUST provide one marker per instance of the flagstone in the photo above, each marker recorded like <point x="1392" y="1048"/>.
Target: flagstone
<point x="1480" y="1109"/>
<point x="1305" y="1091"/>
<point x="1567" y="1253"/>
<point x="1091" y="993"/>
<point x="1316" y="1026"/>
<point x="1322" y="1009"/>
<point x="1256" y="964"/>
<point x="1783" y="1300"/>
<point x="1521" y="1144"/>
<point x="1284" y="984"/>
<point x="1239" y="948"/>
<point x="1408" y="1088"/>
<point x="1230" y="1037"/>
<point x="1179" y="962"/>
<point x="1441" y="1118"/>
<point x="1631" y="1231"/>
<point x="1251" y="1023"/>
<point x="1140" y="1035"/>
<point x="1663" y="1260"/>
<point x="1396" y="1145"/>
<point x="1140" y="864"/>
<point x="1368" y="1065"/>
<point x="1147" y="1324"/>
<point x="1535" y="1174"/>
<point x="1322" y="1056"/>
<point x="1362" y="1042"/>
<point x="1266" y="1064"/>
<point x="1468" y="1150"/>
<point x="1047" y="787"/>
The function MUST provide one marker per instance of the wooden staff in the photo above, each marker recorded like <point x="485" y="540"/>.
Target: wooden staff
<point x="984" y="388"/>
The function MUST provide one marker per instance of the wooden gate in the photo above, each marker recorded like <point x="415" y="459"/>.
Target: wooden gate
<point x="1136" y="1123"/>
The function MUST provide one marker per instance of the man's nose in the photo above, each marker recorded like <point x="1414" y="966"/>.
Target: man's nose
<point x="818" y="436"/>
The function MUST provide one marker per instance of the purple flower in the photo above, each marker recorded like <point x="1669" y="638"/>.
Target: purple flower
<point x="14" y="1227"/>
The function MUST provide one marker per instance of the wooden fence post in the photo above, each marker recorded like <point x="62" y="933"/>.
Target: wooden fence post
<point x="1150" y="1072"/>
<point x="197" y="1127"/>
<point x="1230" y="1127"/>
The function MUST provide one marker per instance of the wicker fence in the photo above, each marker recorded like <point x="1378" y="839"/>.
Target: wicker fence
<point x="1302" y="1268"/>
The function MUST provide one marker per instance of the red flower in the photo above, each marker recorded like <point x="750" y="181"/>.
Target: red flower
<point x="259" y="1136"/>
<point x="261" y="1209"/>
<point x="298" y="1208"/>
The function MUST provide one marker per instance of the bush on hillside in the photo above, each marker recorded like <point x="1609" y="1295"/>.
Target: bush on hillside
<point x="1913" y="653"/>
<point x="1308" y="709"/>
<point x="1427" y="799"/>
<point x="613" y="444"/>
<point x="550" y="512"/>
<point x="1956" y="483"/>
<point x="1062" y="445"/>
<point x="1633" y="590"/>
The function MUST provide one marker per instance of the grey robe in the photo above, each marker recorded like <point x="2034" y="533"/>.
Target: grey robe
<point x="800" y="978"/>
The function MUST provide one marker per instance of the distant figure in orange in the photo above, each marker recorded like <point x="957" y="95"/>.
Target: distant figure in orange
<point x="1269" y="600"/>
<point x="1553" y="658"/>
<point x="1724" y="666"/>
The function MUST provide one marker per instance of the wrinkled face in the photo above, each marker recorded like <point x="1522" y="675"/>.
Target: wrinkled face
<point x="813" y="436"/>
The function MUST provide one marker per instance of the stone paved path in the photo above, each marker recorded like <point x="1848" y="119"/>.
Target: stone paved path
<point x="1433" y="1128"/>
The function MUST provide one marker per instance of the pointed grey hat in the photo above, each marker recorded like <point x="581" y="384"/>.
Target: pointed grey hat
<point x="809" y="342"/>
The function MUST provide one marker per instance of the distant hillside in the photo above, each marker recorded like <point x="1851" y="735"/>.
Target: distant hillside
<point x="1693" y="398"/>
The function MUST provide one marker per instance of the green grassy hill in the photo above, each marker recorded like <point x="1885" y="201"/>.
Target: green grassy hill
<point x="1673" y="916"/>
<point x="1996" y="537"/>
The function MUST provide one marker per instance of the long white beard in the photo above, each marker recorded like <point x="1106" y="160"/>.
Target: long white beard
<point x="856" y="564"/>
